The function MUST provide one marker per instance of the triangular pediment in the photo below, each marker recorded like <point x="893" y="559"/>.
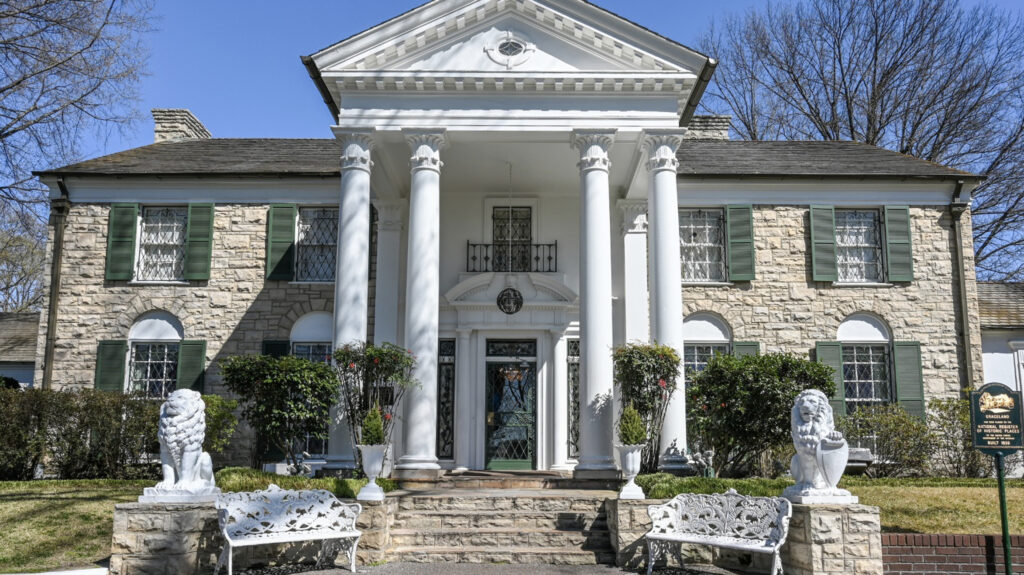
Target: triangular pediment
<point x="460" y="36"/>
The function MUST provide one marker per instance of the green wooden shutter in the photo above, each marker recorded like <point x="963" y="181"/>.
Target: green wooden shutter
<point x="739" y="222"/>
<point x="745" y="348"/>
<point x="191" y="365"/>
<point x="121" y="224"/>
<point x="199" y="242"/>
<point x="906" y="360"/>
<point x="276" y="348"/>
<point x="823" y="244"/>
<point x="831" y="354"/>
<point x="899" y="252"/>
<point x="110" y="360"/>
<point x="281" y="242"/>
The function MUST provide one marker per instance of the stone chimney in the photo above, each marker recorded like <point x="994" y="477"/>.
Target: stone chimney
<point x="174" y="124"/>
<point x="709" y="128"/>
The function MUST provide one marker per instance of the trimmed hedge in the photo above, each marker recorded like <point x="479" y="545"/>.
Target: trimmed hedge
<point x="246" y="479"/>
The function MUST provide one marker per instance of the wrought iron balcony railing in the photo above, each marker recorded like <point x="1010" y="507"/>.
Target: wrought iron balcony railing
<point x="515" y="257"/>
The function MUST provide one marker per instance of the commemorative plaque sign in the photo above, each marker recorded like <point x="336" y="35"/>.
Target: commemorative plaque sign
<point x="996" y="428"/>
<point x="996" y="419"/>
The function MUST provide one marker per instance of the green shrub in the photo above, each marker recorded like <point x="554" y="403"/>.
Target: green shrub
<point x="23" y="421"/>
<point x="900" y="442"/>
<point x="646" y="376"/>
<point x="373" y="428"/>
<point x="954" y="454"/>
<point x="234" y="479"/>
<point x="285" y="398"/>
<point x="220" y="422"/>
<point x="740" y="407"/>
<point x="631" y="427"/>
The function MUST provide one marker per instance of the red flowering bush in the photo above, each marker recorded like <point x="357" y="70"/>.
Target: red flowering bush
<point x="373" y="376"/>
<point x="646" y="377"/>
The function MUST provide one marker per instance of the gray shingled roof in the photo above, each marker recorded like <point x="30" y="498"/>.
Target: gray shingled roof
<point x="319" y="157"/>
<point x="18" y="333"/>
<point x="1002" y="304"/>
<point x="802" y="159"/>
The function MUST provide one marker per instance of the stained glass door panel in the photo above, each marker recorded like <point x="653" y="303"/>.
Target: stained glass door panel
<point x="511" y="415"/>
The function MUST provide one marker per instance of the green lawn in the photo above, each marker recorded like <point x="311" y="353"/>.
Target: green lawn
<point x="57" y="524"/>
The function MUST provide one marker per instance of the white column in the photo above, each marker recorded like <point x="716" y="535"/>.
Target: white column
<point x="596" y="409"/>
<point x="389" y="245"/>
<point x="464" y="408"/>
<point x="422" y="294"/>
<point x="634" y="243"/>
<point x="666" y="279"/>
<point x="560" y="403"/>
<point x="352" y="274"/>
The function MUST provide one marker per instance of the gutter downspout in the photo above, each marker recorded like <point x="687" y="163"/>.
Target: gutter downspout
<point x="698" y="91"/>
<point x="957" y="208"/>
<point x="59" y="212"/>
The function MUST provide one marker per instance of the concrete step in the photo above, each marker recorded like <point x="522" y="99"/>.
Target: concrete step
<point x="432" y="519"/>
<point x="519" y="555"/>
<point x="429" y="539"/>
<point x="503" y="501"/>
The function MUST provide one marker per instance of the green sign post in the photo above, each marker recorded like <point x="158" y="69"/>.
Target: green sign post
<point x="996" y="428"/>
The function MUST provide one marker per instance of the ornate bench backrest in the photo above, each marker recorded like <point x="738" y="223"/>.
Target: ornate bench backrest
<point x="724" y="515"/>
<point x="276" y="510"/>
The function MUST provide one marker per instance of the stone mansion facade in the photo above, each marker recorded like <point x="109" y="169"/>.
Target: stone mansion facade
<point x="513" y="188"/>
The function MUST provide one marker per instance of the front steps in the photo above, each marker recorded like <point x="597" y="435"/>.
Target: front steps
<point x="528" y="526"/>
<point x="477" y="480"/>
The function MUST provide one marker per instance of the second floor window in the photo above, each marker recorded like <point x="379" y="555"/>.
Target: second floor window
<point x="316" y="246"/>
<point x="513" y="238"/>
<point x="162" y="244"/>
<point x="702" y="244"/>
<point x="859" y="246"/>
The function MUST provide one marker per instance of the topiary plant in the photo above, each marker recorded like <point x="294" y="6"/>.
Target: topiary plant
<point x="631" y="427"/>
<point x="373" y="427"/>
<point x="646" y="376"/>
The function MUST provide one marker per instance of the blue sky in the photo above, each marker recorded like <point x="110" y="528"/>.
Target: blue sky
<point x="236" y="64"/>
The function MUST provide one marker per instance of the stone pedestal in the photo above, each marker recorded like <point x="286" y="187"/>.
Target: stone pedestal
<point x="184" y="539"/>
<point x="833" y="540"/>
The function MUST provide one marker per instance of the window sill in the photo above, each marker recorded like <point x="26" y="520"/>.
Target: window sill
<point x="159" y="283"/>
<point x="707" y="284"/>
<point x="864" y="284"/>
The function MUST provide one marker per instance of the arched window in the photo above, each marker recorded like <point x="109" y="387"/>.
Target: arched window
<point x="867" y="365"/>
<point x="155" y="341"/>
<point x="704" y="335"/>
<point x="311" y="336"/>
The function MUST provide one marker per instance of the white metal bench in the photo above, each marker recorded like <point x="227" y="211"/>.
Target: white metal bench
<point x="757" y="524"/>
<point x="281" y="516"/>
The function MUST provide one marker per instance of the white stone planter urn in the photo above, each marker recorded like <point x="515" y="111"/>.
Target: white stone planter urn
<point x="373" y="463"/>
<point x="629" y="459"/>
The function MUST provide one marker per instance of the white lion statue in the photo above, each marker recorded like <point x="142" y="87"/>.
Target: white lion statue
<point x="821" y="452"/>
<point x="187" y="469"/>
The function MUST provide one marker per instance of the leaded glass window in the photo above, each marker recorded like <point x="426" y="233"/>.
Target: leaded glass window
<point x="697" y="355"/>
<point x="702" y="245"/>
<point x="573" y="365"/>
<point x="446" y="399"/>
<point x="512" y="238"/>
<point x="154" y="369"/>
<point x="511" y="348"/>
<point x="316" y="247"/>
<point x="321" y="353"/>
<point x="162" y="244"/>
<point x="859" y="246"/>
<point x="866" y="375"/>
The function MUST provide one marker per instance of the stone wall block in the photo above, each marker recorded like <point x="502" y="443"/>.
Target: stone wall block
<point x="833" y="540"/>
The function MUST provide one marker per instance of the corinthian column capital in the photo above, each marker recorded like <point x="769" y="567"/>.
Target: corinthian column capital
<point x="634" y="216"/>
<point x="389" y="214"/>
<point x="593" y="146"/>
<point x="356" y="147"/>
<point x="660" y="147"/>
<point x="426" y="148"/>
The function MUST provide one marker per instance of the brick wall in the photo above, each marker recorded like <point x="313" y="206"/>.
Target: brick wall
<point x="938" y="554"/>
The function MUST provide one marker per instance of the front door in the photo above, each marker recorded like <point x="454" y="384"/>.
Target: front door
<point x="511" y="413"/>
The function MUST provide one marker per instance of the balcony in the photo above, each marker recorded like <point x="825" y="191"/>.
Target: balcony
<point x="514" y="257"/>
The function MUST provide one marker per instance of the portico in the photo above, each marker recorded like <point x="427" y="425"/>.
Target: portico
<point x="502" y="145"/>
